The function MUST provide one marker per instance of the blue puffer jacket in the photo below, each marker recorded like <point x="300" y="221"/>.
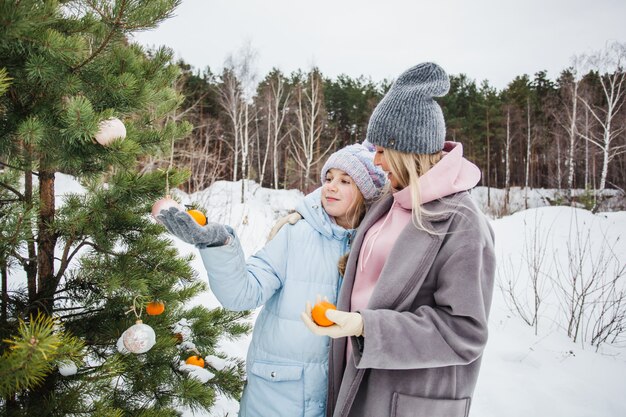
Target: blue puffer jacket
<point x="287" y="365"/>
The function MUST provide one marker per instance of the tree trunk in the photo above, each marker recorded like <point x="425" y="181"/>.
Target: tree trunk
<point x="46" y="240"/>
<point x="572" y="141"/>
<point x="488" y="182"/>
<point x="507" y="158"/>
<point x="528" y="146"/>
<point x="31" y="264"/>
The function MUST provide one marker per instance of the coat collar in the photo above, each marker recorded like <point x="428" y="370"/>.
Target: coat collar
<point x="408" y="262"/>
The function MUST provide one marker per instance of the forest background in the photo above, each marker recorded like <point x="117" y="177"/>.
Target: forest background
<point x="567" y="133"/>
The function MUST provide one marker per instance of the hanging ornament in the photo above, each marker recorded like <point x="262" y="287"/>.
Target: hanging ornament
<point x="68" y="368"/>
<point x="155" y="308"/>
<point x="120" y="345"/>
<point x="110" y="130"/>
<point x="198" y="216"/>
<point x="139" y="338"/>
<point x="164" y="204"/>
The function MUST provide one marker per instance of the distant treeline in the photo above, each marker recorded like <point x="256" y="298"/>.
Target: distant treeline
<point x="537" y="132"/>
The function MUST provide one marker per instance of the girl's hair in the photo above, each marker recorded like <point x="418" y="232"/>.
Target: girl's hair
<point x="407" y="168"/>
<point x="357" y="208"/>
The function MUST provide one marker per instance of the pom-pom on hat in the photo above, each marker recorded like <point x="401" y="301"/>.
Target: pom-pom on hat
<point x="408" y="119"/>
<point x="358" y="162"/>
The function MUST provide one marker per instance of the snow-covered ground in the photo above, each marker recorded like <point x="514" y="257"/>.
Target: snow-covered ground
<point x="526" y="372"/>
<point x="523" y="374"/>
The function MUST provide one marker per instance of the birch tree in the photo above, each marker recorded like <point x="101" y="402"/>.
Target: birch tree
<point x="310" y="117"/>
<point x="507" y="157"/>
<point x="275" y="108"/>
<point x="239" y="83"/>
<point x="609" y="63"/>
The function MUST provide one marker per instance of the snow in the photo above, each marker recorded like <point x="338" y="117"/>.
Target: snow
<point x="525" y="371"/>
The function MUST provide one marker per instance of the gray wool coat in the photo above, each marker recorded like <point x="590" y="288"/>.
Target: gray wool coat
<point x="425" y="325"/>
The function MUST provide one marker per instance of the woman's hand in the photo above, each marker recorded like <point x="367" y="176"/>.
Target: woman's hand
<point x="346" y="324"/>
<point x="184" y="227"/>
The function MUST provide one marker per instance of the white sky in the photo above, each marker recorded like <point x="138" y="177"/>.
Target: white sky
<point x="485" y="39"/>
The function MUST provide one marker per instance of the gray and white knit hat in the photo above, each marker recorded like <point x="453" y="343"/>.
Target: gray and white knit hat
<point x="358" y="162"/>
<point x="408" y="119"/>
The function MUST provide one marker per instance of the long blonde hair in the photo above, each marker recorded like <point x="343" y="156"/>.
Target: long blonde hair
<point x="407" y="168"/>
<point x="357" y="208"/>
<point x="359" y="205"/>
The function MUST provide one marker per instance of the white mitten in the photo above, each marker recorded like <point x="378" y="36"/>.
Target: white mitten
<point x="346" y="324"/>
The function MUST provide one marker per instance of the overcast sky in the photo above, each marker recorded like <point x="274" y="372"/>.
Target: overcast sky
<point x="485" y="39"/>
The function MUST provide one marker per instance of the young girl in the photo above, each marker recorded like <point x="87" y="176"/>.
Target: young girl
<point x="411" y="323"/>
<point x="287" y="366"/>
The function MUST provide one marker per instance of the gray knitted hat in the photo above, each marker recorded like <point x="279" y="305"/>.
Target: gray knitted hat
<point x="358" y="162"/>
<point x="408" y="119"/>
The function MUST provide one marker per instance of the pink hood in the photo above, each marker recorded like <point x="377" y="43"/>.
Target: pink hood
<point x="450" y="175"/>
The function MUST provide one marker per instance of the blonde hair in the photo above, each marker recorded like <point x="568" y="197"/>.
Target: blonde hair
<point x="357" y="208"/>
<point x="407" y="168"/>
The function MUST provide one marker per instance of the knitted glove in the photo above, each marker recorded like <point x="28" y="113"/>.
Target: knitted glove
<point x="183" y="226"/>
<point x="346" y="324"/>
<point x="291" y="218"/>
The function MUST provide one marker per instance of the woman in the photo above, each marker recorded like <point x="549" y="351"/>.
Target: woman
<point x="411" y="319"/>
<point x="287" y="366"/>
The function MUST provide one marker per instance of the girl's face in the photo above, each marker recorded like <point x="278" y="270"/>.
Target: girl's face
<point x="339" y="194"/>
<point x="381" y="161"/>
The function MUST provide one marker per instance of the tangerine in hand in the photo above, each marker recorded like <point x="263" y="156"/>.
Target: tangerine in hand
<point x="319" y="313"/>
<point x="198" y="216"/>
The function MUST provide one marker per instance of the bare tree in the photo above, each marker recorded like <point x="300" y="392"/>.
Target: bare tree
<point x="570" y="86"/>
<point x="236" y="91"/>
<point x="527" y="301"/>
<point x="610" y="66"/>
<point x="275" y="98"/>
<point x="528" y="152"/>
<point x="507" y="157"/>
<point x="310" y="119"/>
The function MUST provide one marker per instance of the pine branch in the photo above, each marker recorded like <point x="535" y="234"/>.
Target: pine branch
<point x="106" y="40"/>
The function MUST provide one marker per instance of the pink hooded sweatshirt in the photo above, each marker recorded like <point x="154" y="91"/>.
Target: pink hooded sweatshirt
<point x="450" y="175"/>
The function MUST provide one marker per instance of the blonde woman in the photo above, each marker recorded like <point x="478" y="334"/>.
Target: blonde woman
<point x="411" y="323"/>
<point x="287" y="366"/>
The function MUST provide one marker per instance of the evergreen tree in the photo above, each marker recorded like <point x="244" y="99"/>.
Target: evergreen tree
<point x="73" y="265"/>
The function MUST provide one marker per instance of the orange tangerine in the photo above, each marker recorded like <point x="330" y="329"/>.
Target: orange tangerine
<point x="319" y="313"/>
<point x="154" y="308"/>
<point x="198" y="216"/>
<point x="195" y="360"/>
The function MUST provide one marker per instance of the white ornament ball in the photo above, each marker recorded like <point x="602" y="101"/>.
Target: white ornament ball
<point x="164" y="204"/>
<point x="120" y="345"/>
<point x="68" y="368"/>
<point x="139" y="338"/>
<point x="110" y="130"/>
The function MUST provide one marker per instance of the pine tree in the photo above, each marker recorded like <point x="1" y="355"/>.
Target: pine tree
<point x="73" y="265"/>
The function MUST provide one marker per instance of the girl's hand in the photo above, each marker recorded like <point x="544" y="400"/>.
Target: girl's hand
<point x="183" y="226"/>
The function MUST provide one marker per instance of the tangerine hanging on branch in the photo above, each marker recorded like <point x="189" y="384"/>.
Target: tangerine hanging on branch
<point x="155" y="308"/>
<point x="195" y="360"/>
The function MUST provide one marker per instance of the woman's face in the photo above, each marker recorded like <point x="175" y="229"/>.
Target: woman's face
<point x="381" y="161"/>
<point x="338" y="195"/>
